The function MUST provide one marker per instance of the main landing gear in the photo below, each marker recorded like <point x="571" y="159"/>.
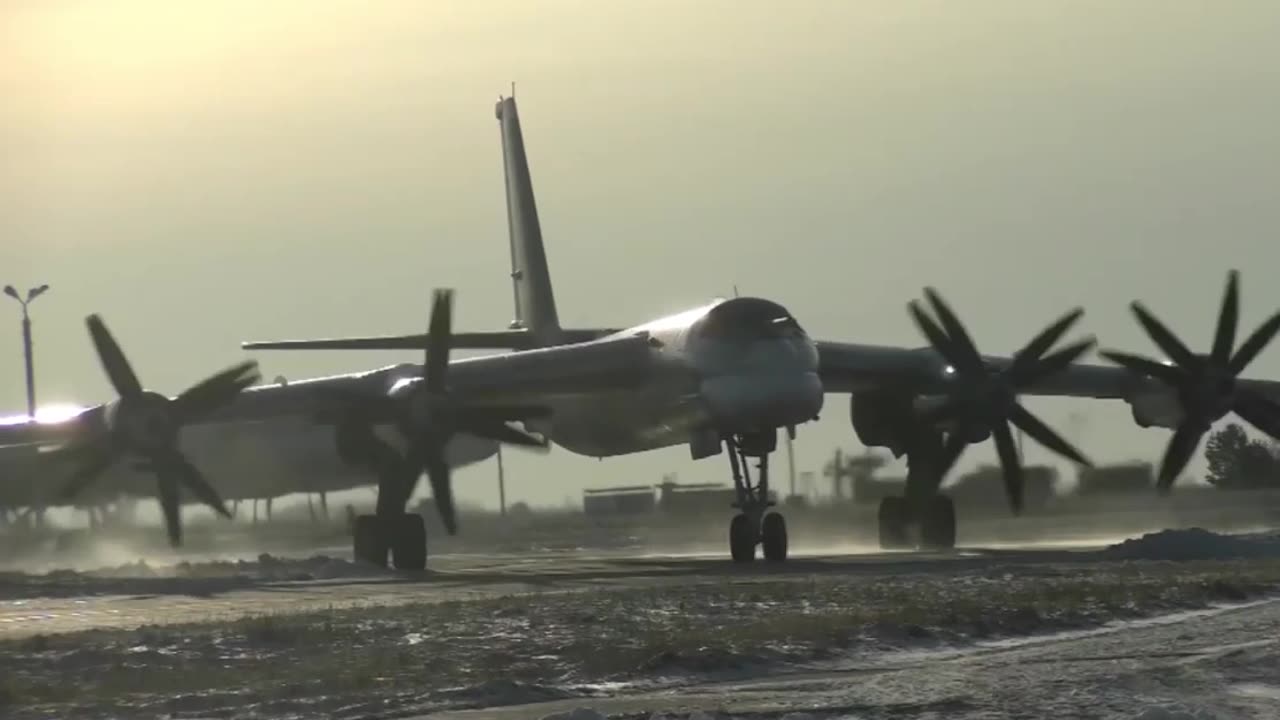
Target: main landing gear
<point x="754" y="524"/>
<point x="924" y="509"/>
<point x="403" y="535"/>
<point x="390" y="530"/>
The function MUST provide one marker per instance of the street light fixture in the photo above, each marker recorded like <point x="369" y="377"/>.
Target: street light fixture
<point x="32" y="294"/>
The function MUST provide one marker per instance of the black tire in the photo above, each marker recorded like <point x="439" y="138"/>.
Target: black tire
<point x="773" y="537"/>
<point x="893" y="518"/>
<point x="742" y="539"/>
<point x="409" y="544"/>
<point x="938" y="523"/>
<point x="369" y="541"/>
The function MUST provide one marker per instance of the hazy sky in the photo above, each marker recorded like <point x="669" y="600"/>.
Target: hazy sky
<point x="207" y="173"/>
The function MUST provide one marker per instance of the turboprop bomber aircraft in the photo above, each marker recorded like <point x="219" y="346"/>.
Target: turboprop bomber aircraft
<point x="723" y="378"/>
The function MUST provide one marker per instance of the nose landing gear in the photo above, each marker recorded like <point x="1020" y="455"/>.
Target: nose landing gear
<point x="754" y="524"/>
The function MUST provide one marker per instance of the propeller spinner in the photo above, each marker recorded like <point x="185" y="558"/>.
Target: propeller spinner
<point x="980" y="398"/>
<point x="146" y="424"/>
<point x="1206" y="385"/>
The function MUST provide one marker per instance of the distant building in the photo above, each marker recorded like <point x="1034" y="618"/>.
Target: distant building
<point x="1131" y="477"/>
<point x="699" y="498"/>
<point x="634" y="500"/>
<point x="985" y="486"/>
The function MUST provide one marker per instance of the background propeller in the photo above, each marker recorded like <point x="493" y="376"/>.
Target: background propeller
<point x="981" y="398"/>
<point x="431" y="415"/>
<point x="1206" y="384"/>
<point x="146" y="424"/>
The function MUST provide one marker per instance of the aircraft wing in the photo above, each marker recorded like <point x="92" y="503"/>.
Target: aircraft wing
<point x="851" y="368"/>
<point x="500" y="340"/>
<point x="848" y="368"/>
<point x="520" y="377"/>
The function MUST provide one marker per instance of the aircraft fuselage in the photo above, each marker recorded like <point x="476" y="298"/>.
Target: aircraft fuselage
<point x="736" y="366"/>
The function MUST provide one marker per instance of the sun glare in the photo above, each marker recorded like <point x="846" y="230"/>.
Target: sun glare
<point x="56" y="413"/>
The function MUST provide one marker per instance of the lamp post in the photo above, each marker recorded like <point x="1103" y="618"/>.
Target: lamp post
<point x="502" y="485"/>
<point x="32" y="294"/>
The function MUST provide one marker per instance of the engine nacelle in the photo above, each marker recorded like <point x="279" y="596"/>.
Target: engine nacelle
<point x="1156" y="408"/>
<point x="356" y="444"/>
<point x="884" y="419"/>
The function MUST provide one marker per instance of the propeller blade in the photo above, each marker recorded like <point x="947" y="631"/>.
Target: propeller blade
<point x="937" y="338"/>
<point x="964" y="346"/>
<point x="1168" y="343"/>
<point x="954" y="448"/>
<point x="1224" y="338"/>
<point x="1259" y="411"/>
<point x="1028" y="423"/>
<point x="1255" y="344"/>
<point x="1051" y="364"/>
<point x="93" y="462"/>
<point x="119" y="372"/>
<point x="214" y="392"/>
<point x="1143" y="366"/>
<point x="167" y="485"/>
<point x="442" y="491"/>
<point x="1181" y="447"/>
<point x="1010" y="463"/>
<point x="439" y="340"/>
<point x="1028" y="358"/>
<point x="504" y="433"/>
<point x="190" y="476"/>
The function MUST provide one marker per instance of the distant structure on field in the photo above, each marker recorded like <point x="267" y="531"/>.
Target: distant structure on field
<point x="669" y="497"/>
<point x="1120" y="478"/>
<point x="857" y="472"/>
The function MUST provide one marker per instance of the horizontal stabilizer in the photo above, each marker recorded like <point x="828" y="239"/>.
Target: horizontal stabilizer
<point x="500" y="340"/>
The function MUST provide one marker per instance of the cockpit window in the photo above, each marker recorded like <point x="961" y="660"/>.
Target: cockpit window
<point x="747" y="318"/>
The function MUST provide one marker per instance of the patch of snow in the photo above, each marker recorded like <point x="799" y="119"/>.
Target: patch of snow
<point x="575" y="714"/>
<point x="1194" y="544"/>
<point x="1173" y="712"/>
<point x="494" y="693"/>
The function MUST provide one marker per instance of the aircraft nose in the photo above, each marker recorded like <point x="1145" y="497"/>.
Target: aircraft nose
<point x="754" y="402"/>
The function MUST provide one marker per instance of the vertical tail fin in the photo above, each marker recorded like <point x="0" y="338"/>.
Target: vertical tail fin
<point x="535" y="304"/>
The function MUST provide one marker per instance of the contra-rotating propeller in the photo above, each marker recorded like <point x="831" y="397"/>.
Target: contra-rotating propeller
<point x="146" y="424"/>
<point x="431" y="414"/>
<point x="982" y="398"/>
<point x="1206" y="384"/>
<point x="428" y="417"/>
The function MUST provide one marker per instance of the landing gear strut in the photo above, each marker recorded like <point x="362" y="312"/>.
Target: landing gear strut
<point x="754" y="524"/>
<point x="924" y="507"/>
<point x="390" y="530"/>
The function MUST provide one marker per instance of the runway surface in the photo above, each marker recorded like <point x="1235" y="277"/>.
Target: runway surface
<point x="57" y="604"/>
